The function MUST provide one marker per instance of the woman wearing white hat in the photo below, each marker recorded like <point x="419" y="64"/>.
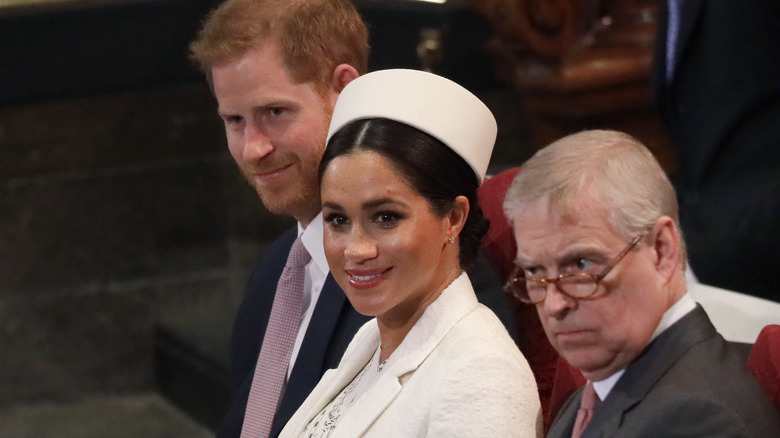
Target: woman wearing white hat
<point x="406" y="153"/>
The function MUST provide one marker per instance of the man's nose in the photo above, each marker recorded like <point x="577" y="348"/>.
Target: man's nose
<point x="257" y="145"/>
<point x="556" y="303"/>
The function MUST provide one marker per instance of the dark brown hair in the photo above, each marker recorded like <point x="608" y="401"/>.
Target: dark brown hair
<point x="429" y="166"/>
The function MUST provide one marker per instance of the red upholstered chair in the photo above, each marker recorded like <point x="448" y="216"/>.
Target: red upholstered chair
<point x="499" y="242"/>
<point x="764" y="361"/>
<point x="555" y="378"/>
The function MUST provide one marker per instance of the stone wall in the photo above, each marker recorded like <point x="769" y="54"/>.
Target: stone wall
<point x="116" y="212"/>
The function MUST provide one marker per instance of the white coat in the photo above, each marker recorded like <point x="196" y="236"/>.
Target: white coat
<point x="456" y="374"/>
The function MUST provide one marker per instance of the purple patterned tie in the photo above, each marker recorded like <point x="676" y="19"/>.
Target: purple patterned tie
<point x="587" y="405"/>
<point x="278" y="343"/>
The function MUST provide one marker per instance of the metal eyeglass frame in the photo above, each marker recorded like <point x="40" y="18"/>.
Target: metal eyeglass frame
<point x="518" y="279"/>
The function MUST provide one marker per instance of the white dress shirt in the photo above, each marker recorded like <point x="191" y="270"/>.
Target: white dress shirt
<point x="317" y="271"/>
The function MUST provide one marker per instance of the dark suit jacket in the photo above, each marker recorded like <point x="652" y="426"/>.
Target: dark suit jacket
<point x="332" y="326"/>
<point x="722" y="112"/>
<point x="688" y="382"/>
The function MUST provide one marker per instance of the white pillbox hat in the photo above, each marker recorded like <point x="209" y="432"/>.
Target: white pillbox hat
<point x="430" y="103"/>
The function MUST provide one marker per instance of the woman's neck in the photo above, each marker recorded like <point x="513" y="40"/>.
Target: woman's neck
<point x="394" y="328"/>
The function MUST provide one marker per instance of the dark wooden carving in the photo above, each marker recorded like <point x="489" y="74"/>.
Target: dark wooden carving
<point x="581" y="64"/>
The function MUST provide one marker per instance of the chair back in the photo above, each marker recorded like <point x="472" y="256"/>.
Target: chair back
<point x="736" y="316"/>
<point x="764" y="362"/>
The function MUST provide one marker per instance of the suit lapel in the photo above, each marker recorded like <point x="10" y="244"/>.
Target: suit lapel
<point x="646" y="370"/>
<point x="659" y="56"/>
<point x="355" y="361"/>
<point x="563" y="424"/>
<point x="689" y="17"/>
<point x="690" y="11"/>
<point x="334" y="381"/>
<point x="457" y="301"/>
<point x="323" y="322"/>
<point x="362" y="415"/>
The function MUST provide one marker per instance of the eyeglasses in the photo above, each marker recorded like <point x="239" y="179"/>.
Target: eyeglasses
<point x="576" y="285"/>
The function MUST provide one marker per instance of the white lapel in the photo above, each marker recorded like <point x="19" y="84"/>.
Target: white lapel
<point x="455" y="302"/>
<point x="358" y="353"/>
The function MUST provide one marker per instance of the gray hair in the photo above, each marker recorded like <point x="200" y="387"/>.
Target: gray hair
<point x="609" y="168"/>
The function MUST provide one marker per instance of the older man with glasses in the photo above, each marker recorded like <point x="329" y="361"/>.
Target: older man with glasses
<point x="600" y="254"/>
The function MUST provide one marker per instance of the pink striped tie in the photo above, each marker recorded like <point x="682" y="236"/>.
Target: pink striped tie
<point x="278" y="342"/>
<point x="587" y="405"/>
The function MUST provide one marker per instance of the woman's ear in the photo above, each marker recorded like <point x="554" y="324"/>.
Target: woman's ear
<point x="458" y="215"/>
<point x="666" y="245"/>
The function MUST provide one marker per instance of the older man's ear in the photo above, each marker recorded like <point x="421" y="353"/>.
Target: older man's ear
<point x="666" y="247"/>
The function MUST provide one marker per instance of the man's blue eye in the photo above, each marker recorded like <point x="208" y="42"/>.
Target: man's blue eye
<point x="583" y="264"/>
<point x="232" y="120"/>
<point x="531" y="272"/>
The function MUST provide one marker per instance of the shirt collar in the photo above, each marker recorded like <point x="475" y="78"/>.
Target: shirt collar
<point x="603" y="387"/>
<point x="312" y="238"/>
<point x="679" y="309"/>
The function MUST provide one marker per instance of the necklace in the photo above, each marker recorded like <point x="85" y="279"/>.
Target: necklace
<point x="380" y="365"/>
